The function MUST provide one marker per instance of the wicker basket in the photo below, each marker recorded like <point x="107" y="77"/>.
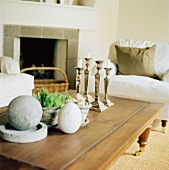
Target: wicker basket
<point x="51" y="85"/>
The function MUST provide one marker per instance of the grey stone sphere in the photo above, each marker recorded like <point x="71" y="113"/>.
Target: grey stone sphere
<point x="24" y="112"/>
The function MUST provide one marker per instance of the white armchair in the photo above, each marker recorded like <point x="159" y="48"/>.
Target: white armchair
<point x="138" y="86"/>
<point x="141" y="87"/>
<point x="12" y="82"/>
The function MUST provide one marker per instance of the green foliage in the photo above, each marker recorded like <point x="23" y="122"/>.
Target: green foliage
<point x="56" y="99"/>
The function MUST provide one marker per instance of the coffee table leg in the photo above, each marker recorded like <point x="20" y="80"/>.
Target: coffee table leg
<point x="164" y="126"/>
<point x="143" y="140"/>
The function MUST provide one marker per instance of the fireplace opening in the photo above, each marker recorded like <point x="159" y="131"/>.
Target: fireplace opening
<point x="37" y="52"/>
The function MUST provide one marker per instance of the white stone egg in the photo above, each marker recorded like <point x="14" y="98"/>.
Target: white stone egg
<point x="69" y="118"/>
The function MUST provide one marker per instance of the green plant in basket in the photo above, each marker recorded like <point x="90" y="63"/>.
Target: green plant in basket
<point x="49" y="100"/>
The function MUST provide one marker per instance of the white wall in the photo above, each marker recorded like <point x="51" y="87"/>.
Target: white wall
<point x="106" y="26"/>
<point x="143" y="20"/>
<point x="1" y="31"/>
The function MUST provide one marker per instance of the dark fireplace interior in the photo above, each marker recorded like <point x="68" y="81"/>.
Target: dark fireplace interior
<point x="37" y="52"/>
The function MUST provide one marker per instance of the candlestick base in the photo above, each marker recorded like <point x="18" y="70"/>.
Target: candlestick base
<point x="107" y="102"/>
<point x="90" y="98"/>
<point x="98" y="106"/>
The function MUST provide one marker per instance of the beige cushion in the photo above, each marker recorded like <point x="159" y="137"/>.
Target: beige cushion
<point x="136" y="61"/>
<point x="9" y="65"/>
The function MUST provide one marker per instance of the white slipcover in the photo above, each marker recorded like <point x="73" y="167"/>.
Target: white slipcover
<point x="8" y="65"/>
<point x="12" y="82"/>
<point x="140" y="87"/>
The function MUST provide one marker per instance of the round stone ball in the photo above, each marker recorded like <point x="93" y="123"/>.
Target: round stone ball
<point x="24" y="112"/>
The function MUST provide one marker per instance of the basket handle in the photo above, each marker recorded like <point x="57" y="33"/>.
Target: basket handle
<point x="46" y="68"/>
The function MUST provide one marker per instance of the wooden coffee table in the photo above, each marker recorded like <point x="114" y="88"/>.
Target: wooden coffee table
<point x="94" y="146"/>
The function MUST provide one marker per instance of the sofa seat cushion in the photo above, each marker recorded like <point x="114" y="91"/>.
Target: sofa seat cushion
<point x="139" y="87"/>
<point x="12" y="84"/>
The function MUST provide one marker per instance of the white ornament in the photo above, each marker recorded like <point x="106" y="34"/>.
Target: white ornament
<point x="69" y="119"/>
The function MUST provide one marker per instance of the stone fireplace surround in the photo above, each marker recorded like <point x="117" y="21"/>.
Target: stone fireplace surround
<point x="66" y="47"/>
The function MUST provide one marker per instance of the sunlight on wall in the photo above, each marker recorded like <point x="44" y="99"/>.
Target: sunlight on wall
<point x="143" y="20"/>
<point x="106" y="26"/>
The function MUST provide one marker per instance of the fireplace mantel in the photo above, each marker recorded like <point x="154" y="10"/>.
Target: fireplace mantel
<point x="50" y="15"/>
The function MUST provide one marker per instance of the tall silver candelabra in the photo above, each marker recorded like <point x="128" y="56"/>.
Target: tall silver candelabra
<point x="97" y="105"/>
<point x="86" y="74"/>
<point x="106" y="101"/>
<point x="78" y="79"/>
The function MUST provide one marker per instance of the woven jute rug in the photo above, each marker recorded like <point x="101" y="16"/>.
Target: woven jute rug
<point x="155" y="156"/>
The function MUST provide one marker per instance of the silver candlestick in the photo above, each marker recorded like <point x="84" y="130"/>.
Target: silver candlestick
<point x="86" y="74"/>
<point x="106" y="101"/>
<point x="97" y="105"/>
<point x="78" y="79"/>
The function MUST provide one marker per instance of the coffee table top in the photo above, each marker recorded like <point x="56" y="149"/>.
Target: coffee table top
<point x="97" y="144"/>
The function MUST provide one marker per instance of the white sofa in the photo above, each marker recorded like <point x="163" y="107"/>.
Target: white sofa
<point x="139" y="86"/>
<point x="12" y="82"/>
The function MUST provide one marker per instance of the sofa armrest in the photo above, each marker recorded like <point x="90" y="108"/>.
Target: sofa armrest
<point x="113" y="72"/>
<point x="166" y="77"/>
<point x="9" y="65"/>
